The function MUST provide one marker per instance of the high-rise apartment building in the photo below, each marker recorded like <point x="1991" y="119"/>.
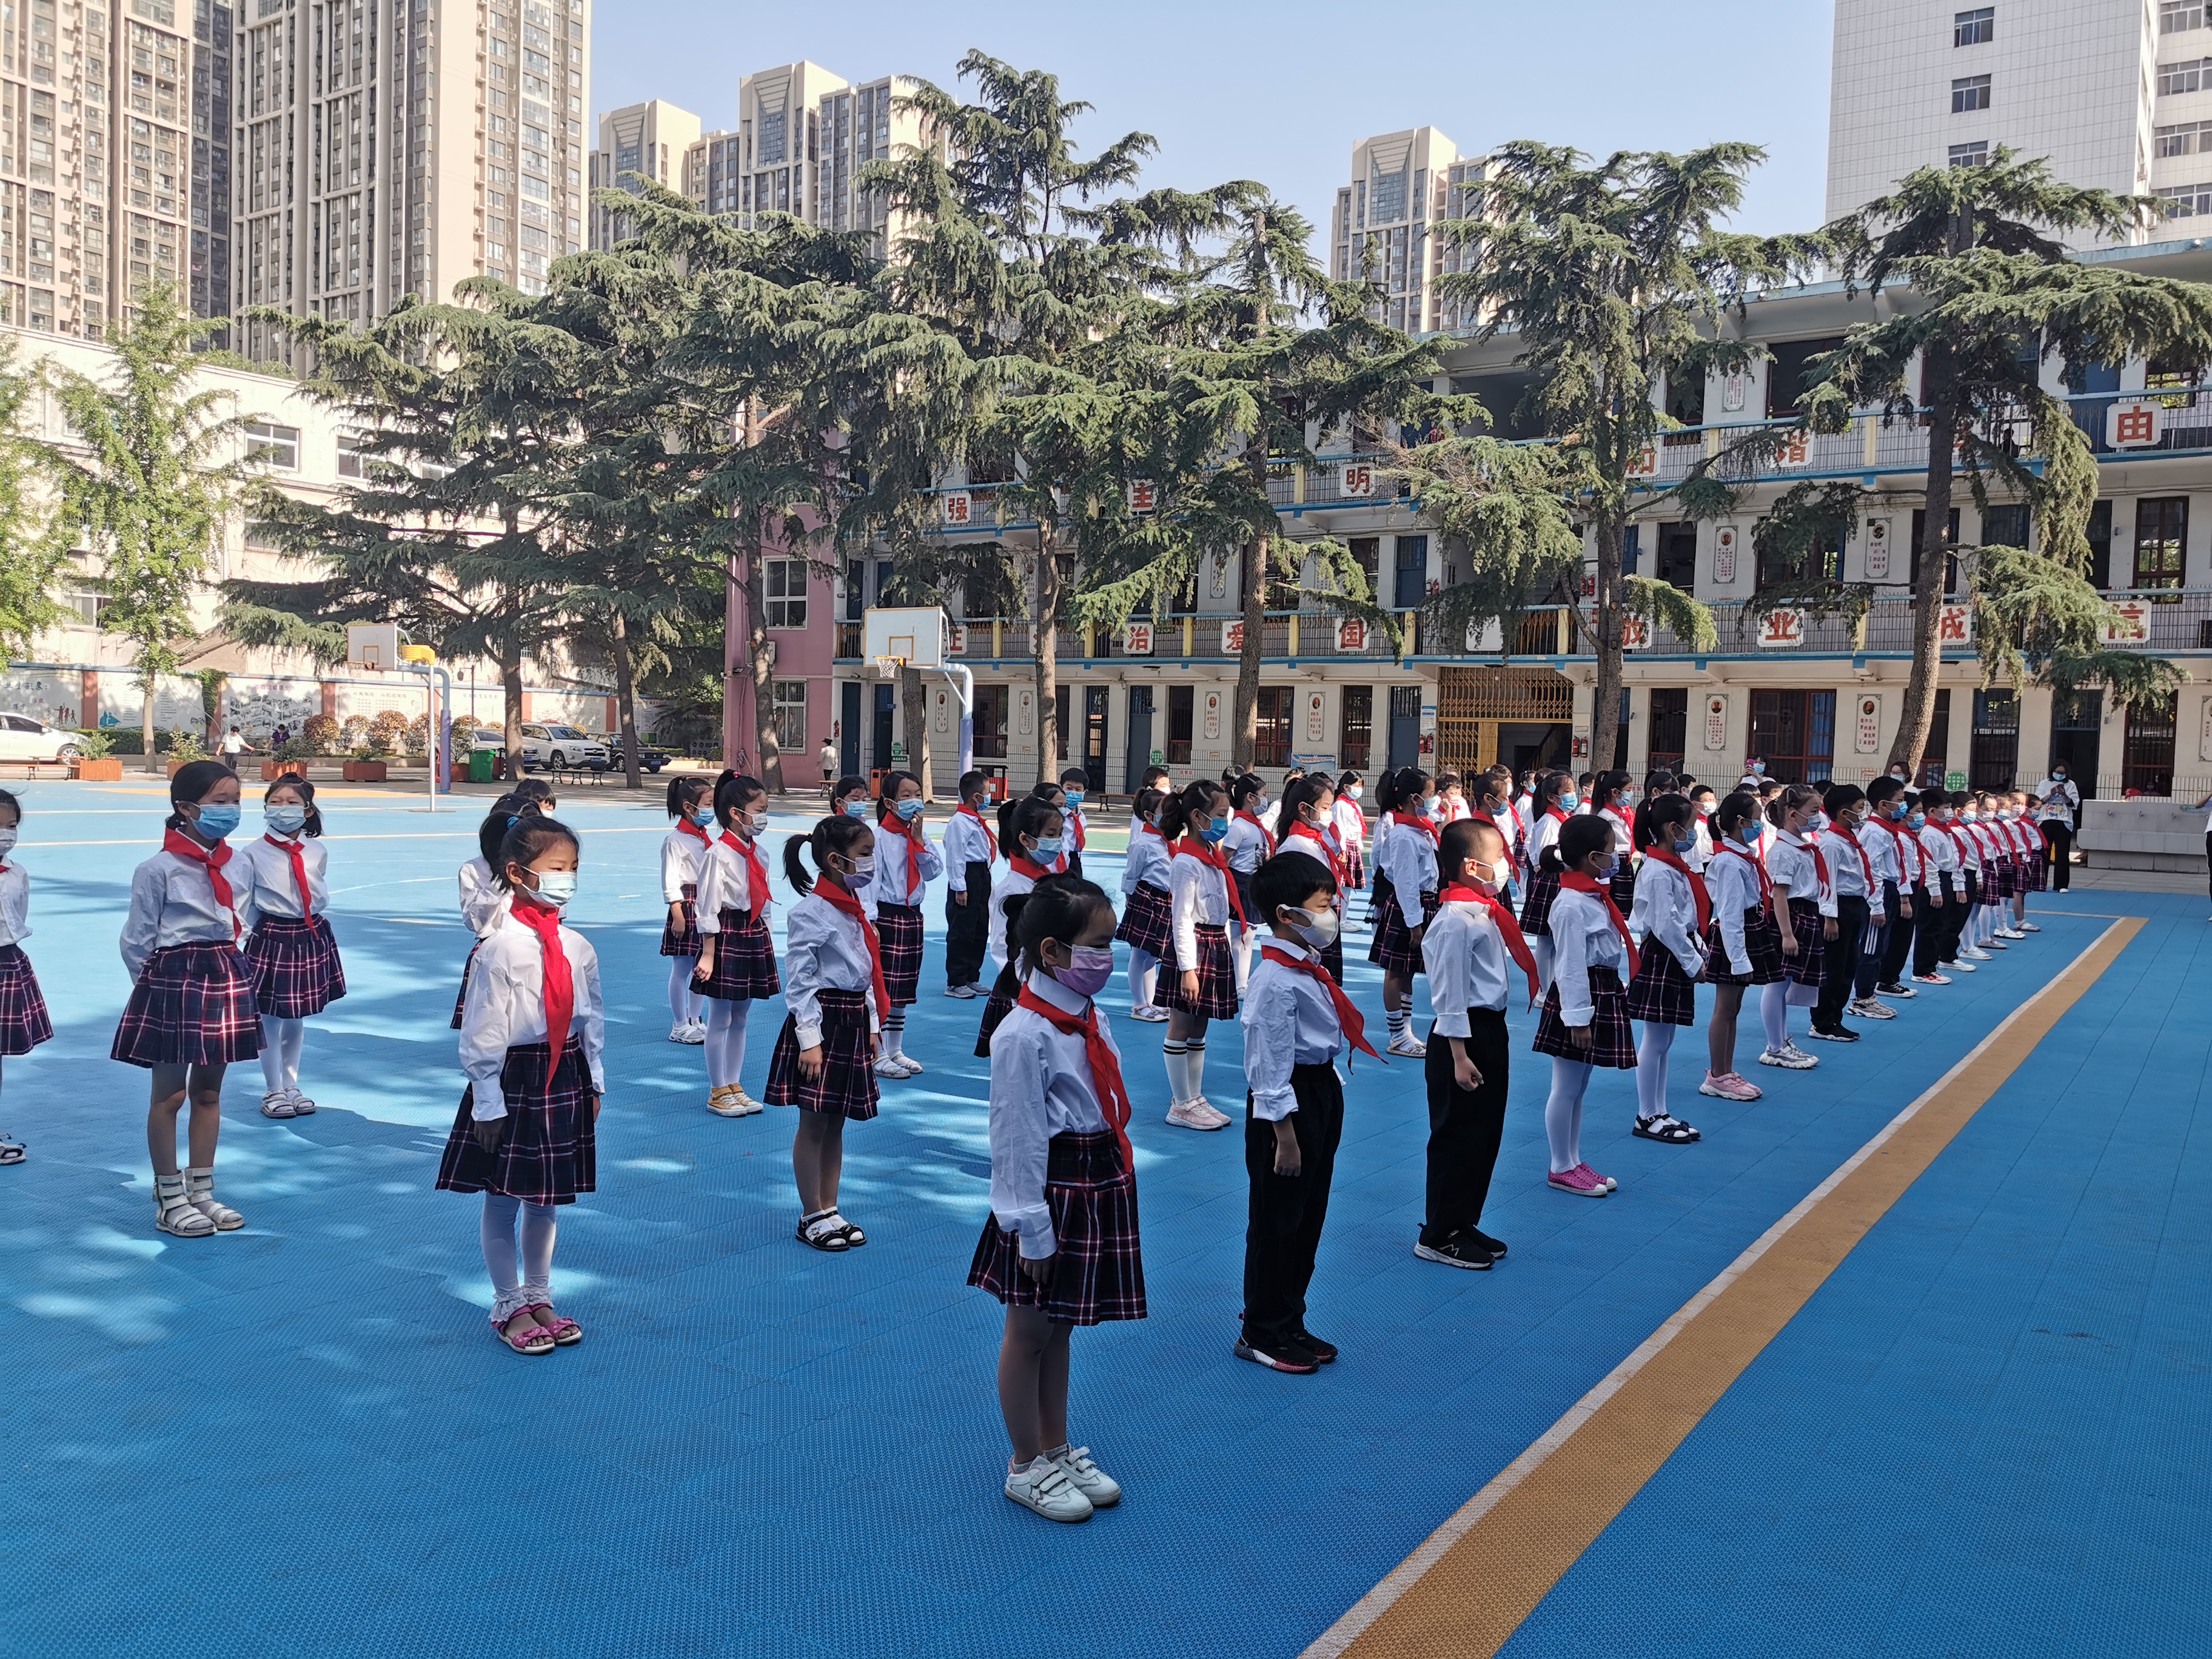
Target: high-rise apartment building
<point x="384" y="150"/>
<point x="1402" y="183"/>
<point x="2117" y="94"/>
<point x="653" y="140"/>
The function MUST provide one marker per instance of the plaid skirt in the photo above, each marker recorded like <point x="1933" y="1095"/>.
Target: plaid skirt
<point x="1355" y="867"/>
<point x="24" y="1022"/>
<point x="296" y="971"/>
<point x="1661" y="993"/>
<point x="898" y="936"/>
<point x="1612" y="1043"/>
<point x="685" y="944"/>
<point x="846" y="1087"/>
<point x="744" y="962"/>
<point x="2039" y="870"/>
<point x="1810" y="966"/>
<point x="994" y="1014"/>
<point x="1098" y="1270"/>
<point x="1624" y="886"/>
<point x="1217" y="977"/>
<point x="550" y="1151"/>
<point x="1762" y="945"/>
<point x="1147" y="920"/>
<point x="192" y="1006"/>
<point x="461" y="995"/>
<point x="1998" y="883"/>
<point x="1536" y="908"/>
<point x="1393" y="945"/>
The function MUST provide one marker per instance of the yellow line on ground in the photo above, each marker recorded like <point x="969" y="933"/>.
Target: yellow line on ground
<point x="1468" y="1587"/>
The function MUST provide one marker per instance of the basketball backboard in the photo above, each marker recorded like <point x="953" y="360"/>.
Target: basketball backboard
<point x="371" y="646"/>
<point x="912" y="636"/>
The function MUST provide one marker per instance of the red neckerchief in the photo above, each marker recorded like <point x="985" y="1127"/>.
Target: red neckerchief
<point x="1105" y="1070"/>
<point x="685" y="825"/>
<point x="1305" y="831"/>
<point x="1023" y="865"/>
<point x="560" y="984"/>
<point x="1698" y="891"/>
<point x="1418" y="822"/>
<point x="1517" y="944"/>
<point x="1266" y="840"/>
<point x="1766" y="881"/>
<point x="1865" y="863"/>
<point x="755" y="873"/>
<point x="1812" y="844"/>
<point x="1346" y="800"/>
<point x="1901" y="834"/>
<point x="1081" y="839"/>
<point x="989" y="840"/>
<point x="293" y="851"/>
<point x="915" y="841"/>
<point x="840" y="900"/>
<point x="1348" y="1018"/>
<point x="1205" y="854"/>
<point x="175" y="841"/>
<point x="1576" y="882"/>
<point x="1952" y="830"/>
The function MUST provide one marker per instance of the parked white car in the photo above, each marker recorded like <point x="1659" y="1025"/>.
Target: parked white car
<point x="23" y="738"/>
<point x="561" y="745"/>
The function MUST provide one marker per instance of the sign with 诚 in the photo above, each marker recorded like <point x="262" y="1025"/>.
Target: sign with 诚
<point x="2133" y="426"/>
<point x="1781" y="630"/>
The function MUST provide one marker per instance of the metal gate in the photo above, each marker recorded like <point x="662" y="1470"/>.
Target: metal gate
<point x="1473" y="702"/>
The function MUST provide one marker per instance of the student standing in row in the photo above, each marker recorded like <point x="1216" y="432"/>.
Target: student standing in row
<point x="1031" y="829"/>
<point x="1945" y="898"/>
<point x="1895" y="854"/>
<point x="1200" y="984"/>
<point x="1551" y="807"/>
<point x="484" y="901"/>
<point x="1672" y="912"/>
<point x="191" y="1012"/>
<point x="1584" y="1024"/>
<point x="971" y="848"/>
<point x="1309" y="820"/>
<point x="1862" y="913"/>
<point x="683" y="853"/>
<point x="906" y="863"/>
<point x="284" y="885"/>
<point x="1147" y="913"/>
<point x="24" y="1021"/>
<point x="1350" y="826"/>
<point x="2028" y="851"/>
<point x="1613" y="799"/>
<point x="1074" y="788"/>
<point x="1804" y="910"/>
<point x="1249" y="844"/>
<point x="1408" y="858"/>
<point x="1743" y="945"/>
<point x="737" y="957"/>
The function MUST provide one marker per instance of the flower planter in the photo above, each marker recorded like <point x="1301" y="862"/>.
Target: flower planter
<point x="272" y="770"/>
<point x="360" y="771"/>
<point x="108" y="770"/>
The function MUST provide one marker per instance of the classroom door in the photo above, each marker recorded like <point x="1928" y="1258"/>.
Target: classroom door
<point x="848" y="731"/>
<point x="2077" y="721"/>
<point x="1138" y="739"/>
<point x="1405" y="725"/>
<point x="886" y="700"/>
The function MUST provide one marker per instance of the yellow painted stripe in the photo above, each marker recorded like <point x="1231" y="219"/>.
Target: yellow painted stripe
<point x="1478" y="1575"/>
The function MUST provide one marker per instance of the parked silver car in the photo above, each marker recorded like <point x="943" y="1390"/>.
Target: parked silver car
<point x="561" y="745"/>
<point x="23" y="738"/>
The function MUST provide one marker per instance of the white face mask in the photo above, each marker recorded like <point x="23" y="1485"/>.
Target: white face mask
<point x="7" y="841"/>
<point x="1319" y="932"/>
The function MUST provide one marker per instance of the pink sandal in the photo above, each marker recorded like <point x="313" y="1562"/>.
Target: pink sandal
<point x="565" y="1333"/>
<point x="530" y="1340"/>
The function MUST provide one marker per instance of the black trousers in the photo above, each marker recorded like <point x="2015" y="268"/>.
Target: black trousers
<point x="1896" y="948"/>
<point x="1958" y="916"/>
<point x="1839" y="984"/>
<point x="2058" y="835"/>
<point x="1930" y="924"/>
<point x="1881" y="945"/>
<point x="1282" y="1232"/>
<point x="1465" y="1127"/>
<point x="968" y="928"/>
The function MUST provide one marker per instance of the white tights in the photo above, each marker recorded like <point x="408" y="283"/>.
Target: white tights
<point x="281" y="1042"/>
<point x="1563" y="1112"/>
<point x="683" y="1001"/>
<point x="1144" y="977"/>
<point x="1774" y="1012"/>
<point x="1651" y="1069"/>
<point x="1242" y="940"/>
<point x="725" y="1040"/>
<point x="531" y="1281"/>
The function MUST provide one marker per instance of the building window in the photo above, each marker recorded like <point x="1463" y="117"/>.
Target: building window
<point x="273" y="445"/>
<point x="2174" y="17"/>
<point x="1976" y="154"/>
<point x="1973" y="28"/>
<point x="1970" y="92"/>
<point x="2147" y="761"/>
<point x="1789" y="372"/>
<point x="1678" y="554"/>
<point x="1271" y="746"/>
<point x="1822" y="561"/>
<point x="2161" y="540"/>
<point x="784" y="585"/>
<point x="1795" y="731"/>
<point x="990" y="722"/>
<point x="2191" y="76"/>
<point x="2186" y="201"/>
<point x="1179" y="707"/>
<point x="2188" y="138"/>
<point x="788" y="700"/>
<point x="1412" y="573"/>
<point x="349" y="456"/>
<point x="2100" y="544"/>
<point x="1357" y="740"/>
<point x="1670" y="727"/>
<point x="1367" y="553"/>
<point x="2008" y="526"/>
<point x="1994" y="758"/>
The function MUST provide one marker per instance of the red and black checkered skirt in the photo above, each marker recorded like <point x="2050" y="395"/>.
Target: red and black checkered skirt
<point x="1536" y="907"/>
<point x="744" y="961"/>
<point x="550" y="1151"/>
<point x="24" y="1022"/>
<point x="1381" y="905"/>
<point x="1762" y="947"/>
<point x="898" y="936"/>
<point x="2038" y="869"/>
<point x="1217" y="977"/>
<point x="1811" y="965"/>
<point x="1661" y="993"/>
<point x="686" y="943"/>
<point x="1354" y="865"/>
<point x="1147" y="920"/>
<point x="1393" y="944"/>
<point x="2003" y="882"/>
<point x="192" y="1006"/>
<point x="846" y="1087"/>
<point x="1623" y="884"/>
<point x="1097" y="1268"/>
<point x="296" y="971"/>
<point x="461" y="996"/>
<point x="1612" y="1043"/>
<point x="1004" y="990"/>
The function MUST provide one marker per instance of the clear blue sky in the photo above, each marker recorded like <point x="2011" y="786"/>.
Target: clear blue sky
<point x="1280" y="92"/>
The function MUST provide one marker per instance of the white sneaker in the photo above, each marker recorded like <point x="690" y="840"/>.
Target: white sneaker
<point x="1868" y="1008"/>
<point x="1408" y="1045"/>
<point x="1795" y="1059"/>
<point x="1196" y="1115"/>
<point x="2029" y="927"/>
<point x="1791" y="1048"/>
<point x="1094" y="1483"/>
<point x="1150" y="1013"/>
<point x="1961" y="966"/>
<point x="680" y="1032"/>
<point x="962" y="992"/>
<point x="695" y="1033"/>
<point x="1045" y="1487"/>
<point x="2011" y="933"/>
<point x="1975" y="953"/>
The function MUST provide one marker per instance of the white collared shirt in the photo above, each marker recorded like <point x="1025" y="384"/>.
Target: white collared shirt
<point x="726" y="884"/>
<point x="1147" y="863"/>
<point x="966" y="841"/>
<point x="1847" y="874"/>
<point x="1468" y="964"/>
<point x="1290" y="1020"/>
<point x="173" y="902"/>
<point x="272" y="890"/>
<point x="1583" y="938"/>
<point x="1351" y="825"/>
<point x="1940" y="852"/>
<point x="1732" y="881"/>
<point x="1199" y="893"/>
<point x="1665" y="911"/>
<point x="1790" y="862"/>
<point x="484" y="902"/>
<point x="1015" y="886"/>
<point x="892" y="851"/>
<point x="1246" y="843"/>
<point x="1040" y="1087"/>
<point x="1409" y="859"/>
<point x="681" y="855"/>
<point x="505" y="1007"/>
<point x="823" y="950"/>
<point x="14" y="903"/>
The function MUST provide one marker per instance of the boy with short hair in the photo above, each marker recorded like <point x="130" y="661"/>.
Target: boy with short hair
<point x="1074" y="785"/>
<point x="969" y="848"/>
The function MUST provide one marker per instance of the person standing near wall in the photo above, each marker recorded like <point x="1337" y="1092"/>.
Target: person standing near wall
<point x="2060" y="814"/>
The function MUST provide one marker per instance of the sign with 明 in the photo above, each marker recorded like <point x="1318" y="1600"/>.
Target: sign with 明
<point x="1357" y="478"/>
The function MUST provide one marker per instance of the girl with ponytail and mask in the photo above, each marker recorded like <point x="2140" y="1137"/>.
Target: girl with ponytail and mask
<point x="192" y="1011"/>
<point x="296" y="971"/>
<point x="737" y="957"/>
<point x="1250" y="842"/>
<point x="907" y="861"/>
<point x="1199" y="980"/>
<point x="1743" y="946"/>
<point x="1549" y="810"/>
<point x="1805" y="910"/>
<point x="1672" y="912"/>
<point x="824" y="1059"/>
<point x="1613" y="799"/>
<point x="1350" y="826"/>
<point x="534" y="1044"/>
<point x="1059" y="1247"/>
<point x="1033" y="831"/>
<point x="484" y="901"/>
<point x="1584" y="1024"/>
<point x="1147" y="912"/>
<point x="1408" y="858"/>
<point x="1308" y="825"/>
<point x="24" y="1021"/>
<point x="683" y="857"/>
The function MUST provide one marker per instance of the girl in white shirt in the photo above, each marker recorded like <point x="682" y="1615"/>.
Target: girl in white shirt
<point x="1060" y="1247"/>
<point x="1308" y="824"/>
<point x="1584" y="1023"/>
<point x="824" y="1059"/>
<point x="1248" y="845"/>
<point x="1201" y="982"/>
<point x="1034" y="833"/>
<point x="907" y="862"/>
<point x="1613" y="798"/>
<point x="1408" y="859"/>
<point x="1671" y="914"/>
<point x="683" y="851"/>
<point x="484" y="901"/>
<point x="1550" y="808"/>
<point x="534" y="1045"/>
<point x="1703" y="799"/>
<point x="1805" y="911"/>
<point x="737" y="957"/>
<point x="1147" y="913"/>
<point x="1351" y="830"/>
<point x="1743" y="947"/>
<point x="294" y="959"/>
<point x="191" y="1011"/>
<point x="24" y="1021"/>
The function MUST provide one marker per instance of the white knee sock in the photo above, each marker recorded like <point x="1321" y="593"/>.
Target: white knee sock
<point x="683" y="1004"/>
<point x="1193" y="1064"/>
<point x="1774" y="1012"/>
<point x="1176" y="1054"/>
<point x="726" y="1040"/>
<point x="1651" y="1069"/>
<point x="296" y="1040"/>
<point x="1563" y="1113"/>
<point x="540" y="1226"/>
<point x="1242" y="952"/>
<point x="1143" y="974"/>
<point x="894" y="1030"/>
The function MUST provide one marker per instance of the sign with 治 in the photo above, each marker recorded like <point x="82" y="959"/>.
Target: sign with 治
<point x="1137" y="639"/>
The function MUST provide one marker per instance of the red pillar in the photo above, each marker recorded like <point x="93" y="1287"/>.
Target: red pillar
<point x="87" y="700"/>
<point x="329" y="700"/>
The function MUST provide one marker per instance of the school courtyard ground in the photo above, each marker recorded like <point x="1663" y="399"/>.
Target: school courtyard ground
<point x="1909" y="1357"/>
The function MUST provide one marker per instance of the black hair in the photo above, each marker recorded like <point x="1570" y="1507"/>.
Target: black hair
<point x="1058" y="907"/>
<point x="1496" y="782"/>
<point x="1288" y="878"/>
<point x="1790" y="799"/>
<point x="1582" y="781"/>
<point x="1147" y="802"/>
<point x="731" y="790"/>
<point x="1740" y="806"/>
<point x="1151" y="772"/>
<point x="1450" y="780"/>
<point x="1253" y="784"/>
<point x="1304" y="792"/>
<point x="1770" y="787"/>
<point x="1932" y="798"/>
<point x="1345" y="781"/>
<point x="1406" y="784"/>
<point x="1607" y="782"/>
<point x="1052" y="794"/>
<point x="971" y="782"/>
<point x="509" y="810"/>
<point x="530" y="834"/>
<point x="1693" y="790"/>
<point x="848" y="785"/>
<point x="1461" y="840"/>
<point x="193" y="782"/>
<point x="293" y="781"/>
<point x="1883" y="788"/>
<point x="1663" y="782"/>
<point x="8" y="798"/>
<point x="834" y="834"/>
<point x="1654" y="812"/>
<point x="1839" y="796"/>
<point x="684" y="789"/>
<point x="1546" y="796"/>
<point x="1579" y="837"/>
<point x="1022" y="816"/>
<point x="887" y="796"/>
<point x="534" y="789"/>
<point x="1193" y="801"/>
<point x="1075" y="774"/>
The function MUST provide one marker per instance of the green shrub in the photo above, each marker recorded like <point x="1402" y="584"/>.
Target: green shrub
<point x="95" y="745"/>
<point x="183" y="746"/>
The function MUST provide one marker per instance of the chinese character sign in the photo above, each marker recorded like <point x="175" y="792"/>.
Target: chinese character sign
<point x="959" y="508"/>
<point x="1137" y="639"/>
<point x="1143" y="496"/>
<point x="2133" y="426"/>
<point x="1314" y="726"/>
<point x="1795" y="449"/>
<point x="1877" y="553"/>
<point x="1781" y="630"/>
<point x="1716" y="723"/>
<point x="1954" y="625"/>
<point x="2127" y="623"/>
<point x="1635" y="634"/>
<point x="1725" y="554"/>
<point x="1358" y="479"/>
<point x="1868" y="738"/>
<point x="1646" y="464"/>
<point x="1351" y="633"/>
<point x="960" y="639"/>
<point x="1232" y="638"/>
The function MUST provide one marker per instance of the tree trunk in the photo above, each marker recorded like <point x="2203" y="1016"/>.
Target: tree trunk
<point x="1245" y="741"/>
<point x="1918" y="716"/>
<point x="626" y="701"/>
<point x="913" y="710"/>
<point x="761" y="670"/>
<point x="1605" y="625"/>
<point x="510" y="685"/>
<point x="1044" y="622"/>
<point x="146" y="681"/>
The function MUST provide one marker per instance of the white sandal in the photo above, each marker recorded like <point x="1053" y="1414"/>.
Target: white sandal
<point x="277" y="1104"/>
<point x="199" y="1192"/>
<point x="301" y="1106"/>
<point x="175" y="1213"/>
<point x="12" y="1151"/>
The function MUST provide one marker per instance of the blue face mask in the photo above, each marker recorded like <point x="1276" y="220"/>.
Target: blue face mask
<point x="285" y="820"/>
<point x="704" y="817"/>
<point x="1918" y="821"/>
<point x="1214" y="830"/>
<point x="216" y="822"/>
<point x="1569" y="801"/>
<point x="1075" y="797"/>
<point x="1605" y="870"/>
<point x="1685" y="843"/>
<point x="857" y="807"/>
<point x="909" y="809"/>
<point x="1748" y="835"/>
<point x="1048" y="848"/>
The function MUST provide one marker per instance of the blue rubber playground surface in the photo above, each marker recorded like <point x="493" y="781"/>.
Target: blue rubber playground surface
<point x="1989" y="1432"/>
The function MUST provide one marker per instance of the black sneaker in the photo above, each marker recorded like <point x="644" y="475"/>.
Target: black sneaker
<point x="1495" y="1246"/>
<point x="1834" y="1033"/>
<point x="1460" y="1250"/>
<point x="1902" y="993"/>
<point x="1324" y="1351"/>
<point x="1278" y="1356"/>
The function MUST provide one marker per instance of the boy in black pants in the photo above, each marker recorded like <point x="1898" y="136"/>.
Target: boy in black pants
<point x="1074" y="785"/>
<point x="969" y="848"/>
<point x="1295" y="1020"/>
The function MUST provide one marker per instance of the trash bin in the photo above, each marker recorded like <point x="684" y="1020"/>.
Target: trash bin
<point x="480" y="765"/>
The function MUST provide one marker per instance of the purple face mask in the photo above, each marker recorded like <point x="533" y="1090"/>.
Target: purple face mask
<point x="1086" y="976"/>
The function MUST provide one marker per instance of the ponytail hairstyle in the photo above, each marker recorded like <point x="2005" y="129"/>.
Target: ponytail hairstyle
<point x="1407" y="788"/>
<point x="887" y="799"/>
<point x="1305" y="793"/>
<point x="194" y="782"/>
<point x="1549" y="788"/>
<point x="1579" y="837"/>
<point x="1386" y="791"/>
<point x="506" y="811"/>
<point x="307" y="794"/>
<point x="1659" y="818"/>
<point x="1840" y="798"/>
<point x="1663" y="782"/>
<point x="536" y="791"/>
<point x="1345" y="781"/>
<point x="1058" y="907"/>
<point x="734" y="792"/>
<point x="1148" y="802"/>
<point x="1738" y="808"/>
<point x="1051" y="793"/>
<point x="1792" y="798"/>
<point x="1025" y="817"/>
<point x="685" y="790"/>
<point x="1603" y="787"/>
<point x="1195" y="801"/>
<point x="835" y="834"/>
<point x="1250" y="784"/>
<point x="532" y="834"/>
<point x="1497" y="784"/>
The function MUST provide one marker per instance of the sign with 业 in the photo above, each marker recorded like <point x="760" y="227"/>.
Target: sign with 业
<point x="1781" y="630"/>
<point x="1646" y="464"/>
<point x="2133" y="426"/>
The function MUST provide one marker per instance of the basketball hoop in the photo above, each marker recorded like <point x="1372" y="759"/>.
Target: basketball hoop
<point x="888" y="667"/>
